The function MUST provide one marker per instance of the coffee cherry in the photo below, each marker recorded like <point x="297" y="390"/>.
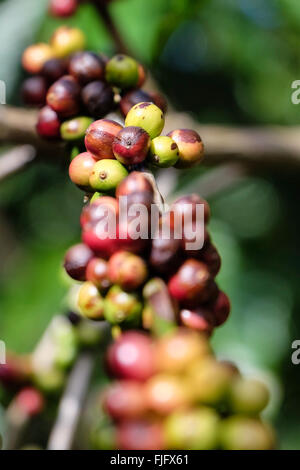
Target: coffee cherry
<point x="210" y="256"/>
<point x="103" y="247"/>
<point x="95" y="211"/>
<point x="63" y="96"/>
<point x="35" y="56"/>
<point x="67" y="40"/>
<point x="243" y="433"/>
<point x="30" y="401"/>
<point x="86" y="67"/>
<point x="159" y="100"/>
<point x="134" y="97"/>
<point x="124" y="400"/>
<point x="121" y="306"/>
<point x="98" y="98"/>
<point x="191" y="148"/>
<point x="221" y="308"/>
<point x="76" y="261"/>
<point x="48" y="123"/>
<point x="147" y="116"/>
<point x="191" y="284"/>
<point x="75" y="129"/>
<point x="134" y="183"/>
<point x="140" y="435"/>
<point x="200" y="319"/>
<point x="185" y="207"/>
<point x="131" y="145"/>
<point x="81" y="168"/>
<point x="34" y="91"/>
<point x="107" y="174"/>
<point x="142" y="74"/>
<point x="164" y="394"/>
<point x="163" y="152"/>
<point x="178" y="350"/>
<point x="122" y="71"/>
<point x="54" y="69"/>
<point x="90" y="301"/>
<point x="248" y="396"/>
<point x="127" y="270"/>
<point x="132" y="357"/>
<point x="63" y="8"/>
<point x="192" y="429"/>
<point x="99" y="138"/>
<point x="165" y="255"/>
<point x="97" y="273"/>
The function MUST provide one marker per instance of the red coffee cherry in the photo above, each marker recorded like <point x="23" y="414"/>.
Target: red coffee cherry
<point x="80" y="170"/>
<point x="34" y="91"/>
<point x="191" y="284"/>
<point x="103" y="247"/>
<point x="124" y="400"/>
<point x="199" y="320"/>
<point x="64" y="96"/>
<point x="131" y="145"/>
<point x="127" y="270"/>
<point x="221" y="308"/>
<point x="186" y="207"/>
<point x="30" y="401"/>
<point x="101" y="207"/>
<point x="191" y="148"/>
<point x="140" y="435"/>
<point x="86" y="67"/>
<point x="99" y="138"/>
<point x="98" y="98"/>
<point x="63" y="8"/>
<point x="54" y="69"/>
<point x="48" y="123"/>
<point x="135" y="182"/>
<point x="76" y="261"/>
<point x="97" y="273"/>
<point x="210" y="256"/>
<point x="132" y="357"/>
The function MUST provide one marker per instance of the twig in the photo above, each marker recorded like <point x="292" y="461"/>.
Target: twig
<point x="15" y="160"/>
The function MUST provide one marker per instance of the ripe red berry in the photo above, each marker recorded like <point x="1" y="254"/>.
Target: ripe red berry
<point x="140" y="435"/>
<point x="127" y="270"/>
<point x="124" y="400"/>
<point x="86" y="67"/>
<point x="63" y="8"/>
<point x="30" y="401"/>
<point x="48" y="123"/>
<point x="54" y="69"/>
<point x="101" y="207"/>
<point x="210" y="256"/>
<point x="76" y="261"/>
<point x="221" y="308"/>
<point x="132" y="357"/>
<point x="34" y="91"/>
<point x="99" y="138"/>
<point x="64" y="96"/>
<point x="199" y="320"/>
<point x="131" y="145"/>
<point x="98" y="98"/>
<point x="186" y="207"/>
<point x="97" y="273"/>
<point x="80" y="170"/>
<point x="134" y="183"/>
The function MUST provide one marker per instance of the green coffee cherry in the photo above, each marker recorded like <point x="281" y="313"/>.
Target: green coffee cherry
<point x="75" y="129"/>
<point x="120" y="306"/>
<point x="147" y="116"/>
<point x="50" y="381"/>
<point x="122" y="71"/>
<point x="248" y="396"/>
<point x="107" y="174"/>
<point x="163" y="152"/>
<point x="90" y="301"/>
<point x="243" y="433"/>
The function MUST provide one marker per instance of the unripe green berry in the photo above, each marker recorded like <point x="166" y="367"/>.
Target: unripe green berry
<point x="90" y="301"/>
<point x="107" y="174"/>
<point x="243" y="433"/>
<point x="122" y="71"/>
<point x="147" y="116"/>
<point x="248" y="396"/>
<point x="120" y="306"/>
<point x="163" y="152"/>
<point x="75" y="129"/>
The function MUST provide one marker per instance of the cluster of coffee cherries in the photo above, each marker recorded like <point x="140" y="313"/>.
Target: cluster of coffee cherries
<point x="172" y="393"/>
<point x="74" y="86"/>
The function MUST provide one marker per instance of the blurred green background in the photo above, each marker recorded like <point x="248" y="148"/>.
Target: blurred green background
<point x="224" y="62"/>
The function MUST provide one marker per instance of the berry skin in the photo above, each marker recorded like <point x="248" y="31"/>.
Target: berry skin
<point x="131" y="145"/>
<point x="35" y="56"/>
<point x="81" y="168"/>
<point x="199" y="320"/>
<point x="134" y="97"/>
<point x="122" y="71"/>
<point x="76" y="261"/>
<point x="90" y="301"/>
<point x="210" y="256"/>
<point x="67" y="40"/>
<point x="147" y="116"/>
<point x="86" y="67"/>
<point x="98" y="98"/>
<point x="97" y="273"/>
<point x="96" y="210"/>
<point x="30" y="401"/>
<point x="48" y="123"/>
<point x="54" y="69"/>
<point x="34" y="91"/>
<point x="132" y="357"/>
<point x="99" y="138"/>
<point x="127" y="270"/>
<point x="63" y="96"/>
<point x="140" y="435"/>
<point x="124" y="400"/>
<point x="191" y="284"/>
<point x="163" y="152"/>
<point x="164" y="394"/>
<point x="120" y="306"/>
<point x="191" y="148"/>
<point x="75" y="129"/>
<point x="63" y="8"/>
<point x="165" y="254"/>
<point x="134" y="183"/>
<point x="248" y="396"/>
<point x="221" y="308"/>
<point x="107" y="174"/>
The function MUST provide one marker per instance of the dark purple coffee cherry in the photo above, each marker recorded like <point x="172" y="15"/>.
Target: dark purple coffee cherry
<point x="34" y="91"/>
<point x="54" y="69"/>
<point x="86" y="67"/>
<point x="98" y="98"/>
<point x="76" y="261"/>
